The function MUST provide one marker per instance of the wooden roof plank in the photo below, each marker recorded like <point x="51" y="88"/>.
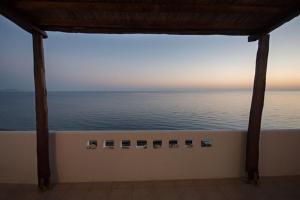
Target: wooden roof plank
<point x="148" y="7"/>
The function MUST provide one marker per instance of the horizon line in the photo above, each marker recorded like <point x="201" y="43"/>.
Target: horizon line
<point x="154" y="90"/>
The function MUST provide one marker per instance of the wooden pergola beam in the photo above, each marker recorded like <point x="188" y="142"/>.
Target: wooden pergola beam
<point x="42" y="132"/>
<point x="257" y="104"/>
<point x="21" y="20"/>
<point x="155" y="30"/>
<point x="291" y="14"/>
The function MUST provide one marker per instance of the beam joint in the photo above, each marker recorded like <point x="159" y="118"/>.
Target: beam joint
<point x="21" y="20"/>
<point x="277" y="22"/>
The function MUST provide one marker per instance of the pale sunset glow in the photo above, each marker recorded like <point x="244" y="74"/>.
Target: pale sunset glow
<point x="148" y="62"/>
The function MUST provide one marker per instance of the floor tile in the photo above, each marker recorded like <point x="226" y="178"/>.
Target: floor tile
<point x="120" y="194"/>
<point x="97" y="194"/>
<point x="143" y="193"/>
<point x="166" y="193"/>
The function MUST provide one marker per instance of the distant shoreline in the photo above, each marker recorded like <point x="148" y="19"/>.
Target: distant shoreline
<point x="3" y="129"/>
<point x="150" y="91"/>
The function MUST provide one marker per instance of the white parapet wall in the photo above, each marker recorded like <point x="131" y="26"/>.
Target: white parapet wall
<point x="72" y="161"/>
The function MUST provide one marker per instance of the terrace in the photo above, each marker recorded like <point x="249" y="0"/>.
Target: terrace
<point x="271" y="188"/>
<point x="67" y="158"/>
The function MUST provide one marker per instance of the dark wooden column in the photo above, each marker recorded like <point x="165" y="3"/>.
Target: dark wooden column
<point x="257" y="104"/>
<point x="42" y="133"/>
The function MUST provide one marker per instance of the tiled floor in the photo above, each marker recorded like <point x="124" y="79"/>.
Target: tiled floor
<point x="285" y="188"/>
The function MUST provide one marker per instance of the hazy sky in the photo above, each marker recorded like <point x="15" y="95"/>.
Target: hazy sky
<point x="147" y="62"/>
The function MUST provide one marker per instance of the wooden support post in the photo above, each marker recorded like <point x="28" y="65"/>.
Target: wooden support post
<point x="42" y="133"/>
<point x="257" y="104"/>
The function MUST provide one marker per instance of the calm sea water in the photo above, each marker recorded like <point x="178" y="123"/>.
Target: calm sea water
<point x="210" y="110"/>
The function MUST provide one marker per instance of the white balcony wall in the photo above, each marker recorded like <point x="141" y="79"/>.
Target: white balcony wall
<point x="71" y="161"/>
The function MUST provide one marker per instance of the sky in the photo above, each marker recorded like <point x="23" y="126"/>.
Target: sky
<point x="103" y="62"/>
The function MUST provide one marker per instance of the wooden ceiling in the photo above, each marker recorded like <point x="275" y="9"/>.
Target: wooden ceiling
<point x="199" y="17"/>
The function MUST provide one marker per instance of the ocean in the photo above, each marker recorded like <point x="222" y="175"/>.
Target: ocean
<point x="197" y="110"/>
